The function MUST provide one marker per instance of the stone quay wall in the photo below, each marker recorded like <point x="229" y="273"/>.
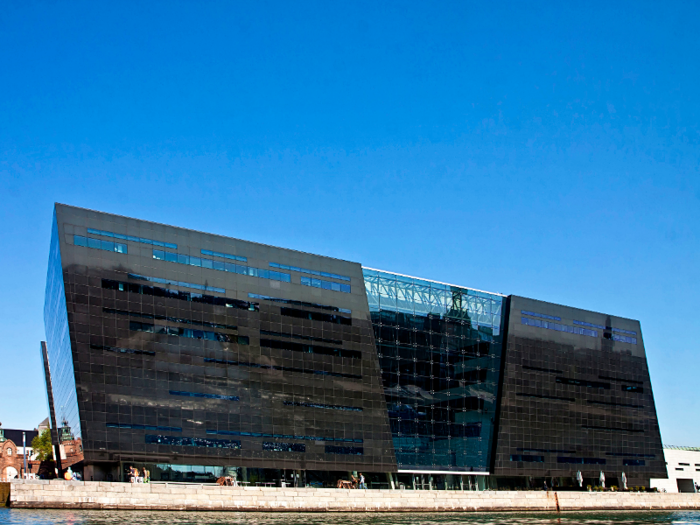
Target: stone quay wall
<point x="4" y="493"/>
<point x="57" y="494"/>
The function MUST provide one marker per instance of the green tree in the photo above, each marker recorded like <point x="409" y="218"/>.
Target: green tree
<point x="42" y="446"/>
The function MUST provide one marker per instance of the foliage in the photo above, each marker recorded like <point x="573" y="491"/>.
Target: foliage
<point x="42" y="446"/>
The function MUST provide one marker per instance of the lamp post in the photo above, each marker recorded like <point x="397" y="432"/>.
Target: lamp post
<point x="24" y="446"/>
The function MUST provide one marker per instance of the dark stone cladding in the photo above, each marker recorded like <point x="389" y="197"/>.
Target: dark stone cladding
<point x="565" y="398"/>
<point x="124" y="377"/>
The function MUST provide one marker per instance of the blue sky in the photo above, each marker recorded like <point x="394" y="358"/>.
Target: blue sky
<point x="537" y="149"/>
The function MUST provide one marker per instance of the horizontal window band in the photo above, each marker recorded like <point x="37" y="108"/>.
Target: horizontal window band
<point x="180" y="320"/>
<point x="132" y="238"/>
<point x="620" y="338"/>
<point x="558" y="327"/>
<point x="609" y="328"/>
<point x="590" y="325"/>
<point x="156" y="291"/>
<point x="211" y="264"/>
<point x="325" y="285"/>
<point x="547" y="450"/>
<point x="299" y="303"/>
<point x="582" y="382"/>
<point x="108" y="246"/>
<point x="182" y="284"/>
<point x="193" y="442"/>
<point x="526" y="458"/>
<point x="628" y="332"/>
<point x="635" y="389"/>
<point x="581" y="461"/>
<point x="613" y="404"/>
<point x="538" y="369"/>
<point x="319" y="405"/>
<point x="633" y="462"/>
<point x="121" y="350"/>
<point x="628" y="455"/>
<point x="455" y="472"/>
<point x="311" y="272"/>
<point x="316" y="316"/>
<point x="282" y="368"/>
<point x="348" y="451"/>
<point x="613" y="429"/>
<point x="310" y="349"/>
<point x="282" y="436"/>
<point x="224" y="255"/>
<point x="189" y="333"/>
<point x="303" y="337"/>
<point x="283" y="447"/>
<point x="621" y="379"/>
<point x="543" y="316"/>
<point x="207" y="396"/>
<point x="556" y="398"/>
<point x="143" y="427"/>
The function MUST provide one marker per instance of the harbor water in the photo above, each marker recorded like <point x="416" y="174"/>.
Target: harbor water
<point x="69" y="517"/>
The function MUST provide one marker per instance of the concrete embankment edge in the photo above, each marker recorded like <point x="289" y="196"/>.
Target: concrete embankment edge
<point x="57" y="494"/>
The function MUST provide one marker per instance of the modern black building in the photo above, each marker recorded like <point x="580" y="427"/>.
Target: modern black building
<point x="196" y="355"/>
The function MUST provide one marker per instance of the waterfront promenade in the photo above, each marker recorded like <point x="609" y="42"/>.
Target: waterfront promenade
<point x="58" y="494"/>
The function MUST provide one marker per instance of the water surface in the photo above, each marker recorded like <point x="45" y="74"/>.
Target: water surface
<point x="97" y="517"/>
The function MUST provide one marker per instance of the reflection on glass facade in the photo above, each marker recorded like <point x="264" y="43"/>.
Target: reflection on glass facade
<point x="58" y="340"/>
<point x="439" y="348"/>
<point x="197" y="372"/>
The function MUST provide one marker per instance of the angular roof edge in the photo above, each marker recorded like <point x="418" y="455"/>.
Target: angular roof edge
<point x="433" y="281"/>
<point x="676" y="447"/>
<point x="203" y="232"/>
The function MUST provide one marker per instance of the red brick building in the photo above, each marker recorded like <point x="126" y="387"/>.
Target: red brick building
<point x="11" y="462"/>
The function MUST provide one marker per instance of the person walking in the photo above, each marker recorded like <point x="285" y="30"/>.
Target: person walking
<point x="362" y="481"/>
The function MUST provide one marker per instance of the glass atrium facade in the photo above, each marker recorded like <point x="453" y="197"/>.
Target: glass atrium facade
<point x="439" y="349"/>
<point x="63" y="392"/>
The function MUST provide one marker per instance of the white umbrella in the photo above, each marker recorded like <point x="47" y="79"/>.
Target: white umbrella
<point x="602" y="479"/>
<point x="624" y="481"/>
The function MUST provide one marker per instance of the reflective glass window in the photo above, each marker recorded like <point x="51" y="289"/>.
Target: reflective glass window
<point x="325" y="285"/>
<point x="310" y="272"/>
<point x="98" y="244"/>
<point x="132" y="238"/>
<point x="224" y="255"/>
<point x="240" y="269"/>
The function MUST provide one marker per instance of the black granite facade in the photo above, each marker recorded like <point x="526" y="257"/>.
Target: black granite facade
<point x="576" y="396"/>
<point x="196" y="349"/>
<point x="198" y="355"/>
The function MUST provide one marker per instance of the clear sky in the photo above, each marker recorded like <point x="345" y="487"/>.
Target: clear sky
<point x="530" y="148"/>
